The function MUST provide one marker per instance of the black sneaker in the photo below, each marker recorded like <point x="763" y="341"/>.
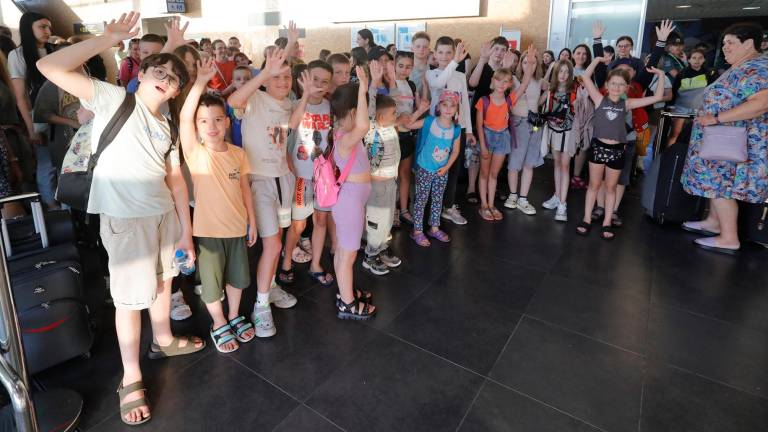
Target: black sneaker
<point x="389" y="259"/>
<point x="374" y="265"/>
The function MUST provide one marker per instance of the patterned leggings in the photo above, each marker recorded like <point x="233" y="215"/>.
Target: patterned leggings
<point x="426" y="181"/>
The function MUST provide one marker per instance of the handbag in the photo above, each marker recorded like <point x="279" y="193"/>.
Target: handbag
<point x="327" y="185"/>
<point x="724" y="143"/>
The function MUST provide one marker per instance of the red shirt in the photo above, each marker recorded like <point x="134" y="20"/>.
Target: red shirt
<point x="223" y="77"/>
<point x="129" y="69"/>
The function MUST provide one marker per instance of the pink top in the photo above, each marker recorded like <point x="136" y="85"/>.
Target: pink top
<point x="360" y="164"/>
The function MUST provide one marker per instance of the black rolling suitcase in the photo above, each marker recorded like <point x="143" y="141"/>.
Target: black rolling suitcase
<point x="754" y="222"/>
<point x="48" y="291"/>
<point x="24" y="235"/>
<point x="663" y="197"/>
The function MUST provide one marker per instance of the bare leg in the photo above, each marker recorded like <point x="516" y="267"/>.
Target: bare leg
<point x="727" y="212"/>
<point x="404" y="173"/>
<point x="512" y="180"/>
<point x="556" y="158"/>
<point x="619" y="195"/>
<point x="496" y="162"/>
<point x="564" y="177"/>
<point x="485" y="168"/>
<point x="595" y="181"/>
<point x="267" y="265"/>
<point x="291" y="239"/>
<point x="578" y="163"/>
<point x="320" y="220"/>
<point x="611" y="179"/>
<point x="332" y="232"/>
<point x="525" y="184"/>
<point x="128" y="327"/>
<point x="473" y="172"/>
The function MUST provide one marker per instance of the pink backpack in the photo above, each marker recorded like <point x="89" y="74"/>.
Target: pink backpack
<point x="327" y="185"/>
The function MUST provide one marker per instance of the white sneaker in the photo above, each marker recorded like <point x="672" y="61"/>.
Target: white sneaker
<point x="454" y="215"/>
<point x="199" y="289"/>
<point x="524" y="206"/>
<point x="263" y="322"/>
<point x="511" y="202"/>
<point x="561" y="215"/>
<point x="280" y="298"/>
<point x="179" y="308"/>
<point x="551" y="203"/>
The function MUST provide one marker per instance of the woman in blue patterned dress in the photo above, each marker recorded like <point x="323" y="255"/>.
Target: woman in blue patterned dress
<point x="738" y="98"/>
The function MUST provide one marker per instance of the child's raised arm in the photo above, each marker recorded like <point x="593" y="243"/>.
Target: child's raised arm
<point x="175" y="33"/>
<point x="60" y="67"/>
<point x="528" y="72"/>
<point x="362" y="123"/>
<point x="419" y="122"/>
<point x="658" y="95"/>
<point x="187" y="130"/>
<point x="594" y="93"/>
<point x="442" y="80"/>
<point x="298" y="113"/>
<point x="274" y="67"/>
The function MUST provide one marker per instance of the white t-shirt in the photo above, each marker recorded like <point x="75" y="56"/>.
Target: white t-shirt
<point x="17" y="66"/>
<point x="311" y="138"/>
<point x="450" y="79"/>
<point x="404" y="97"/>
<point x="129" y="179"/>
<point x="265" y="134"/>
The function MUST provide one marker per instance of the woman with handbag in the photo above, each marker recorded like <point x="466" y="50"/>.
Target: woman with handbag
<point x="728" y="155"/>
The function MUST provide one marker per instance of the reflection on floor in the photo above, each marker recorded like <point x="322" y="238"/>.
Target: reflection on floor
<point x="518" y="325"/>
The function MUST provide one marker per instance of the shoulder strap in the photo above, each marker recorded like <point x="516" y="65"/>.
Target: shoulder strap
<point x="348" y="166"/>
<point x="486" y="101"/>
<point x="113" y="127"/>
<point x="412" y="85"/>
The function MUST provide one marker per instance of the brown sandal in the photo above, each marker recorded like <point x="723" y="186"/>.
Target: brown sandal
<point x="174" y="349"/>
<point x="127" y="407"/>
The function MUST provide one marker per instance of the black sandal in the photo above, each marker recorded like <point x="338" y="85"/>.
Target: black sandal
<point x="473" y="198"/>
<point x="598" y="213"/>
<point x="285" y="276"/>
<point x="607" y="230"/>
<point x="365" y="296"/>
<point x="357" y="310"/>
<point x="616" y="221"/>
<point x="583" y="228"/>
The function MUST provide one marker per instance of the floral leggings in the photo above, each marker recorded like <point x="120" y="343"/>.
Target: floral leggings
<point x="426" y="181"/>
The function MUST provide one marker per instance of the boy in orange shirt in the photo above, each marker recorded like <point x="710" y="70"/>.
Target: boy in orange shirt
<point x="224" y="221"/>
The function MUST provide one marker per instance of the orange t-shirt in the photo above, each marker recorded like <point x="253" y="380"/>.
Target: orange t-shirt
<point x="223" y="77"/>
<point x="497" y="116"/>
<point x="219" y="208"/>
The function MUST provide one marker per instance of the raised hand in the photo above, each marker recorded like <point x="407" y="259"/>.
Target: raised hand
<point x="423" y="104"/>
<point x="597" y="60"/>
<point x="123" y="28"/>
<point x="664" y="29"/>
<point x="276" y="63"/>
<point x="506" y="61"/>
<point x="362" y="78"/>
<point x="293" y="31"/>
<point x="390" y="73"/>
<point x="531" y="54"/>
<point x="377" y="71"/>
<point x="655" y="71"/>
<point x="206" y="69"/>
<point x="175" y="31"/>
<point x="598" y="29"/>
<point x="485" y="51"/>
<point x="461" y="52"/>
<point x="305" y="83"/>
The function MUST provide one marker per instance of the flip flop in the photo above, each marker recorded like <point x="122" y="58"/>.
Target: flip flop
<point x="300" y="255"/>
<point x="708" y="243"/>
<point x="486" y="214"/>
<point x="420" y="239"/>
<point x="497" y="215"/>
<point x="696" y="228"/>
<point x="173" y="349"/>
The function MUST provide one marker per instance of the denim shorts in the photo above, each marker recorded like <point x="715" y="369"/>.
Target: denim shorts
<point x="497" y="142"/>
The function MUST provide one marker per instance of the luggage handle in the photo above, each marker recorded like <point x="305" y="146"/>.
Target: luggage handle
<point x="38" y="218"/>
<point x="660" y="128"/>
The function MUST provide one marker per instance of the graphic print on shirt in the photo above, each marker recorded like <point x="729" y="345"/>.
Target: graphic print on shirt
<point x="440" y="155"/>
<point x="375" y="151"/>
<point x="612" y="113"/>
<point x="313" y="127"/>
<point x="235" y="175"/>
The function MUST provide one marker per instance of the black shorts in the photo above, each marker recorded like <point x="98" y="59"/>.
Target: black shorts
<point x="407" y="143"/>
<point x="610" y="155"/>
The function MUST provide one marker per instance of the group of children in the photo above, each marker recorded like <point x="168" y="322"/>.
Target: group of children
<point x="257" y="145"/>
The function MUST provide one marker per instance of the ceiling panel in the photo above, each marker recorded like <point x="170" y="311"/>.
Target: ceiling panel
<point x="660" y="9"/>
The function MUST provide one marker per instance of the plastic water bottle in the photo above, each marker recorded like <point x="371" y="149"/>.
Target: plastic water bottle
<point x="181" y="261"/>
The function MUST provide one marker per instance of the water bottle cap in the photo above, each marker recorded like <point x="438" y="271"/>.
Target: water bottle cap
<point x="179" y="253"/>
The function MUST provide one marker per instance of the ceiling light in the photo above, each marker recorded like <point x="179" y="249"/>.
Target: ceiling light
<point x="751" y="7"/>
<point x="683" y="6"/>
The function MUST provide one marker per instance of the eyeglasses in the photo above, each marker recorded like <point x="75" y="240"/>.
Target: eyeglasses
<point x="408" y="54"/>
<point x="624" y="46"/>
<point x="161" y="75"/>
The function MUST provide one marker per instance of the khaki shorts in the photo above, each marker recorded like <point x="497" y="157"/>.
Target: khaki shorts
<point x="272" y="200"/>
<point x="140" y="256"/>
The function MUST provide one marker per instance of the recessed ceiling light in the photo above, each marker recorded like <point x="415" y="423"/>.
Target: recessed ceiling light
<point x="751" y="7"/>
<point x="683" y="6"/>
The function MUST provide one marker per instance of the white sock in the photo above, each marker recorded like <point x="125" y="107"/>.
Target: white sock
<point x="262" y="299"/>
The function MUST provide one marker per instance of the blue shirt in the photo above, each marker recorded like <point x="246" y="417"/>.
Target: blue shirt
<point x="435" y="144"/>
<point x="133" y="85"/>
<point x="236" y="125"/>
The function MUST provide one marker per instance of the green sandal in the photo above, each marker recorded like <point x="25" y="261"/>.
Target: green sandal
<point x="173" y="349"/>
<point x="240" y="326"/>
<point x="221" y="336"/>
<point x="127" y="407"/>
